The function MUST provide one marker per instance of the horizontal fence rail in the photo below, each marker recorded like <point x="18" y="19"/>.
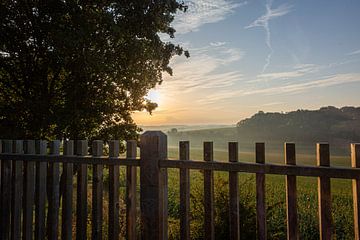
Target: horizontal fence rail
<point x="40" y="180"/>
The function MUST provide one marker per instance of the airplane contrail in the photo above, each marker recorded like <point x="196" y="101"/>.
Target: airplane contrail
<point x="263" y="22"/>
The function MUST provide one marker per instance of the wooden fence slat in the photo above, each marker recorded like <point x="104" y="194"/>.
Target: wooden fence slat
<point x="209" y="193"/>
<point x="234" y="218"/>
<point x="53" y="192"/>
<point x="355" y="163"/>
<point x="5" y="193"/>
<point x="153" y="186"/>
<point x="184" y="154"/>
<point x="17" y="179"/>
<point x="324" y="193"/>
<point x="114" y="229"/>
<point x="97" y="192"/>
<point x="131" y="152"/>
<point x="40" y="191"/>
<point x="1" y="148"/>
<point x="260" y="193"/>
<point x="291" y="194"/>
<point x="67" y="200"/>
<point x="29" y="192"/>
<point x="81" y="199"/>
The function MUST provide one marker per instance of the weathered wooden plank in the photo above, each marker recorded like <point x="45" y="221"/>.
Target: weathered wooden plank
<point x="234" y="219"/>
<point x="153" y="186"/>
<point x="29" y="192"/>
<point x="291" y="194"/>
<point x="97" y="192"/>
<point x="67" y="200"/>
<point x="40" y="191"/>
<point x="267" y="168"/>
<point x="53" y="193"/>
<point x="81" y="199"/>
<point x="260" y="194"/>
<point x="209" y="193"/>
<point x="1" y="151"/>
<point x="17" y="192"/>
<point x="184" y="154"/>
<point x="355" y="163"/>
<point x="324" y="193"/>
<point x="297" y="170"/>
<point x="104" y="160"/>
<point x="131" y="152"/>
<point x="114" y="224"/>
<point x="6" y="183"/>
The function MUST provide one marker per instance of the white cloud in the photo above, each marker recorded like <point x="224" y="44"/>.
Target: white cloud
<point x="263" y="22"/>
<point x="217" y="44"/>
<point x="201" y="12"/>
<point x="272" y="104"/>
<point x="354" y="52"/>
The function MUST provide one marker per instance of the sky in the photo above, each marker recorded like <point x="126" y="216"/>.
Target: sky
<point x="259" y="55"/>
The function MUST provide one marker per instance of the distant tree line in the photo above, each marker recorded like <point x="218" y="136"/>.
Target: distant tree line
<point x="326" y="124"/>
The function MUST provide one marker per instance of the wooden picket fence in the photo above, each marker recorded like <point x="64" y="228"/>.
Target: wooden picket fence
<point x="30" y="188"/>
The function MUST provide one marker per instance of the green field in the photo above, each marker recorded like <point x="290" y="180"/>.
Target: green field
<point x="275" y="200"/>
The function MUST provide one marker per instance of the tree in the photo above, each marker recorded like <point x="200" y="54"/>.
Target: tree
<point x="173" y="131"/>
<point x="78" y="69"/>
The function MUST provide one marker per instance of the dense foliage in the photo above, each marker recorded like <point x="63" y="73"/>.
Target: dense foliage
<point x="78" y="69"/>
<point x="326" y="124"/>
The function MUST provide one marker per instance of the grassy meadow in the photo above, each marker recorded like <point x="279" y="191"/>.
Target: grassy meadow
<point x="275" y="199"/>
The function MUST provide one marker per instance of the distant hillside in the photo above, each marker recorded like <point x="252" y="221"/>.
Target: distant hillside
<point x="329" y="124"/>
<point x="338" y="126"/>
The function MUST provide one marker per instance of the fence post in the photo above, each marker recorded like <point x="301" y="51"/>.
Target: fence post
<point x="355" y="163"/>
<point x="260" y="193"/>
<point x="184" y="154"/>
<point x="153" y="191"/>
<point x="131" y="191"/>
<point x="113" y="227"/>
<point x="53" y="192"/>
<point x="81" y="192"/>
<point x="67" y="199"/>
<point x="29" y="192"/>
<point x="5" y="193"/>
<point x="324" y="195"/>
<point x="40" y="191"/>
<point x="17" y="189"/>
<point x="97" y="192"/>
<point x="291" y="194"/>
<point x="234" y="218"/>
<point x="209" y="226"/>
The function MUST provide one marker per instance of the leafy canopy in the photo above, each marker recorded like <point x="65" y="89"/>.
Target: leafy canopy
<point x="78" y="69"/>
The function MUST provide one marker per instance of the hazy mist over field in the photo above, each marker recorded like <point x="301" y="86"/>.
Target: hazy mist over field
<point x="337" y="126"/>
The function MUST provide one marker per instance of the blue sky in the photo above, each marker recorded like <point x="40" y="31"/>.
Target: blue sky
<point x="256" y="55"/>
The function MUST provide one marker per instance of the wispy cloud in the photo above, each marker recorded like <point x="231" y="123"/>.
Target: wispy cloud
<point x="298" y="70"/>
<point x="272" y="104"/>
<point x="263" y="22"/>
<point x="201" y="12"/>
<point x="292" y="88"/>
<point x="333" y="80"/>
<point x="203" y="70"/>
<point x="354" y="52"/>
<point x="217" y="44"/>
